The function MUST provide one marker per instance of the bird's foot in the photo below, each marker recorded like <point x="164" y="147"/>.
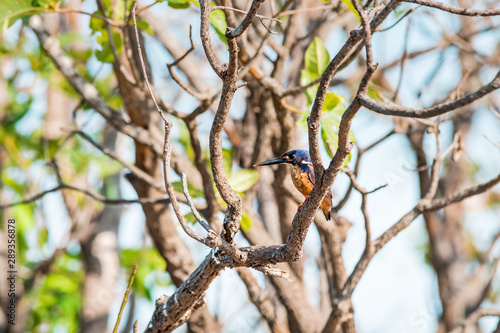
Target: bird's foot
<point x="298" y="208"/>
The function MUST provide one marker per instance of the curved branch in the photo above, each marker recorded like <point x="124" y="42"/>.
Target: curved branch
<point x="252" y="13"/>
<point x="474" y="318"/>
<point x="92" y="195"/>
<point x="382" y="240"/>
<point x="87" y="91"/>
<point x="335" y="63"/>
<point x="402" y="111"/>
<point x="456" y="10"/>
<point x="205" y="38"/>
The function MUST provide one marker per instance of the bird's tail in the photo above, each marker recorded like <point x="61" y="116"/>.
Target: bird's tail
<point x="325" y="207"/>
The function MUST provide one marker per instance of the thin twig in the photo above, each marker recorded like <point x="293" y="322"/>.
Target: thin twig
<point x="167" y="147"/>
<point x="494" y="111"/>
<point x="200" y="220"/>
<point x="94" y="196"/>
<point x="100" y="17"/>
<point x="456" y="10"/>
<point x="243" y="12"/>
<point x="144" y="66"/>
<point x="135" y="170"/>
<point x="212" y="240"/>
<point x="139" y="10"/>
<point x="474" y="318"/>
<point x="125" y="297"/>
<point x="377" y="142"/>
<point x="432" y="111"/>
<point x="308" y="9"/>
<point x="252" y="13"/>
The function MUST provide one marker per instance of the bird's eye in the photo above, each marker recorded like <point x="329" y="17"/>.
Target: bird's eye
<point x="291" y="156"/>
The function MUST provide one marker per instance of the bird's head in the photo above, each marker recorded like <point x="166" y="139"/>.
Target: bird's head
<point x="296" y="157"/>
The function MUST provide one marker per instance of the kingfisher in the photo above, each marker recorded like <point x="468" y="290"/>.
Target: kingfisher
<point x="302" y="174"/>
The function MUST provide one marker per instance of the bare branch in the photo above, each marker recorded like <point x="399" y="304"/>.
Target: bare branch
<point x="263" y="303"/>
<point x="243" y="12"/>
<point x="200" y="96"/>
<point x="200" y="220"/>
<point x="100" y="17"/>
<point x="86" y="90"/>
<point x="456" y="10"/>
<point x="459" y="196"/>
<point x="135" y="170"/>
<point x="88" y="193"/>
<point x="125" y="297"/>
<point x="205" y="38"/>
<point x="474" y="318"/>
<point x="432" y="111"/>
<point x="309" y="9"/>
<point x="254" y="8"/>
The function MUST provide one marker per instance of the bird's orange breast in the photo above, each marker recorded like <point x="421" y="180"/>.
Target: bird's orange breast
<point x="301" y="181"/>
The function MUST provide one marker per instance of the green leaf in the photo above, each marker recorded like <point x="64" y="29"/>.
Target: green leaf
<point x="150" y="263"/>
<point x="243" y="179"/>
<point x="108" y="167"/>
<point x="193" y="190"/>
<point x="189" y="217"/>
<point x="246" y="222"/>
<point x="307" y="77"/>
<point x="56" y="301"/>
<point x="374" y="94"/>
<point x="47" y="4"/>
<point x="106" y="54"/>
<point x="333" y="104"/>
<point x="218" y="21"/>
<point x="13" y="183"/>
<point x="96" y="24"/>
<point x="178" y="4"/>
<point x="329" y="135"/>
<point x="316" y="58"/>
<point x="43" y="236"/>
<point x="121" y="10"/>
<point x="53" y="146"/>
<point x="12" y="10"/>
<point x="227" y="161"/>
<point x="350" y="6"/>
<point x="185" y="140"/>
<point x="145" y="26"/>
<point x="302" y="122"/>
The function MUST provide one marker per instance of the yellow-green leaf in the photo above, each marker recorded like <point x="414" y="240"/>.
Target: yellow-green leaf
<point x="246" y="222"/>
<point x="350" y="6"/>
<point x="333" y="104"/>
<point x="243" y="179"/>
<point x="12" y="10"/>
<point x="218" y="21"/>
<point x="193" y="190"/>
<point x="316" y="58"/>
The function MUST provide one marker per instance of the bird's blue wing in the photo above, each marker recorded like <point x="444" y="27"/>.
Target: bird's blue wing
<point x="310" y="174"/>
<point x="312" y="178"/>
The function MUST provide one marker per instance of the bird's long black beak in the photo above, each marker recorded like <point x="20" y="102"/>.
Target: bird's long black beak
<point x="272" y="161"/>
